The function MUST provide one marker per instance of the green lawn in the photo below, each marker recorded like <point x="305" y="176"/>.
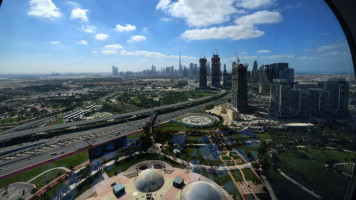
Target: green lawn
<point x="68" y="162"/>
<point x="249" y="175"/>
<point x="306" y="166"/>
<point x="225" y="157"/>
<point x="264" y="136"/>
<point x="237" y="175"/>
<point x="134" y="137"/>
<point x="284" y="189"/>
<point x="59" y="122"/>
<point x="47" y="177"/>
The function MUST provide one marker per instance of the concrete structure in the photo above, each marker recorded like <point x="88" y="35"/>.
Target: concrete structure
<point x="319" y="102"/>
<point x="239" y="87"/>
<point x="280" y="97"/>
<point x="118" y="189"/>
<point x="196" y="186"/>
<point x="178" y="182"/>
<point x="338" y="90"/>
<point x="215" y="70"/>
<point x="202" y="73"/>
<point x="299" y="103"/>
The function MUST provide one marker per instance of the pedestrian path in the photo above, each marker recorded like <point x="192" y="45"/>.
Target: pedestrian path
<point x="63" y="168"/>
<point x="299" y="185"/>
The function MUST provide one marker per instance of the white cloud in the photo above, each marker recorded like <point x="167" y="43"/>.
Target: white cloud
<point x="73" y="3"/>
<point x="108" y="51"/>
<point x="153" y="54"/>
<point x="236" y="32"/>
<point x="329" y="47"/>
<point x="325" y="47"/>
<point x="166" y="19"/>
<point x="253" y="4"/>
<point x="88" y="29"/>
<point x="250" y="57"/>
<point x="137" y="38"/>
<point x="199" y="13"/>
<point x="281" y="56"/>
<point x="128" y="27"/>
<point x="113" y="46"/>
<point x="306" y="57"/>
<point x="44" y="8"/>
<point x="264" y="51"/>
<point x="94" y="52"/>
<point x="101" y="36"/>
<point x="80" y="14"/>
<point x="82" y="42"/>
<point x="55" y="42"/>
<point x="260" y="17"/>
<point x="163" y="4"/>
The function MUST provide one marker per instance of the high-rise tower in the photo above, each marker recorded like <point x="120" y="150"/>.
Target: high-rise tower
<point x="215" y="70"/>
<point x="202" y="72"/>
<point x="239" y="87"/>
<point x="180" y="69"/>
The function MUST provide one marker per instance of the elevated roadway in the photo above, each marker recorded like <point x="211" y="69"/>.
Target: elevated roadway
<point x="17" y="134"/>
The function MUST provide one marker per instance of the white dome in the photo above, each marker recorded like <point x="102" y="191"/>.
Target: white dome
<point x="149" y="180"/>
<point x="201" y="190"/>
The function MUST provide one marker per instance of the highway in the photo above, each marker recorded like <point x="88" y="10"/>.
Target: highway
<point x="13" y="135"/>
<point x="74" y="141"/>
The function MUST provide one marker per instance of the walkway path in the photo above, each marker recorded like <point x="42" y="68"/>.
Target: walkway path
<point x="298" y="184"/>
<point x="269" y="188"/>
<point x="63" y="168"/>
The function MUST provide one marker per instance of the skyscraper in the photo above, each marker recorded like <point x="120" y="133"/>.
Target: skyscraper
<point x="180" y="67"/>
<point x="191" y="70"/>
<point x="115" y="71"/>
<point x="280" y="99"/>
<point x="215" y="70"/>
<point x="299" y="103"/>
<point x="202" y="72"/>
<point x="338" y="90"/>
<point x="255" y="74"/>
<point x="263" y="80"/>
<point x="239" y="87"/>
<point x="224" y="75"/>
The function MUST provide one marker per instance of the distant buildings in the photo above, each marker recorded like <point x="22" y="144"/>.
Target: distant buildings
<point x="327" y="99"/>
<point x="202" y="73"/>
<point x="255" y="73"/>
<point x="239" y="87"/>
<point x="274" y="71"/>
<point x="215" y="70"/>
<point x="115" y="71"/>
<point x="227" y="79"/>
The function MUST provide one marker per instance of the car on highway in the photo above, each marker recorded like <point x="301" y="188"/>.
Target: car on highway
<point x="54" y="153"/>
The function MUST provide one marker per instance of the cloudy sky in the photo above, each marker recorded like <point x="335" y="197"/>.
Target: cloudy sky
<point x="41" y="36"/>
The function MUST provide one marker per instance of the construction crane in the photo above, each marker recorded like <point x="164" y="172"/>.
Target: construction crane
<point x="246" y="63"/>
<point x="237" y="58"/>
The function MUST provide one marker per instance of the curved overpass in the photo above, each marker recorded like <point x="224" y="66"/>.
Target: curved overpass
<point x="9" y="136"/>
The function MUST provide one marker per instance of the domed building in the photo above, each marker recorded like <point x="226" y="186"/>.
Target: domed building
<point x="202" y="190"/>
<point x="149" y="180"/>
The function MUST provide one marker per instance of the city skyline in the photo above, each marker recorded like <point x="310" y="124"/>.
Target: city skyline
<point x="84" y="36"/>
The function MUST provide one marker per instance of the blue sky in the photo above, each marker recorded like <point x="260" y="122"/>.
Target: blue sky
<point x="41" y="36"/>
